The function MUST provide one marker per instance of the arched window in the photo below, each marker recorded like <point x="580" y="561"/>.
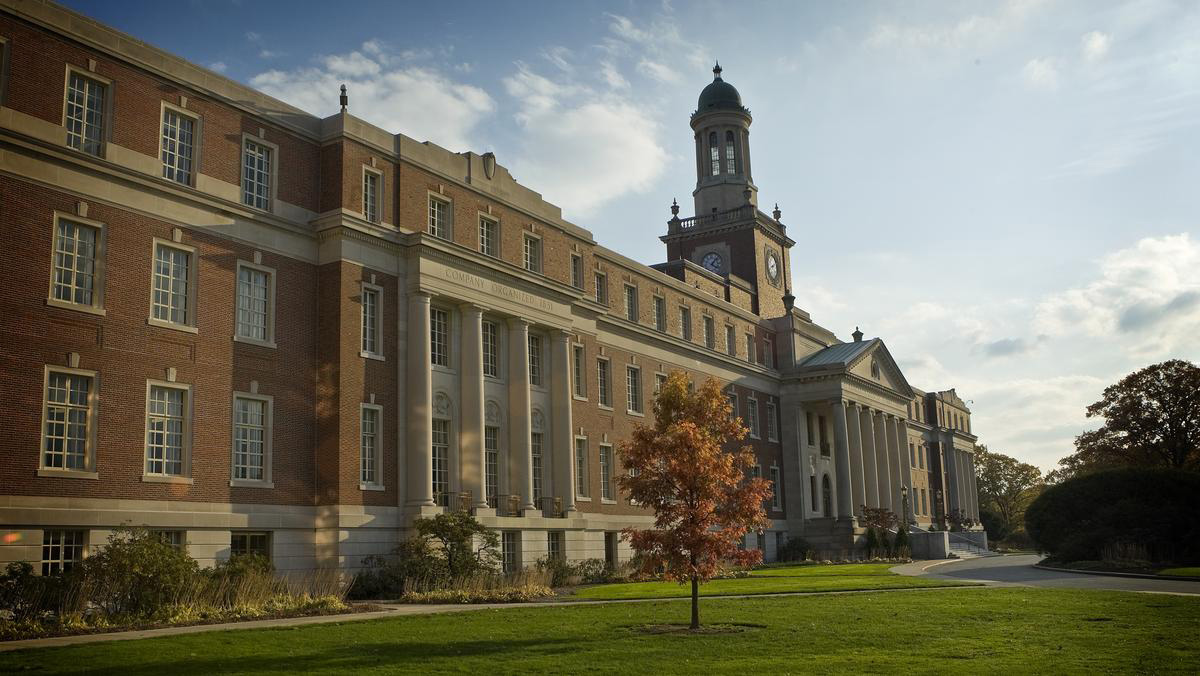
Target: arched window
<point x="714" y="154"/>
<point x="730" y="158"/>
<point x="826" y="496"/>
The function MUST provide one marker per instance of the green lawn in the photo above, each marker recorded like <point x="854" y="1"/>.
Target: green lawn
<point x="1193" y="571"/>
<point x="977" y="630"/>
<point x="773" y="580"/>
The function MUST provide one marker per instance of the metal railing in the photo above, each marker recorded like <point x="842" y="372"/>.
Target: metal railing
<point x="719" y="218"/>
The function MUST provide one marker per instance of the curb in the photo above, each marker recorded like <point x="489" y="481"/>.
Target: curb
<point x="1105" y="573"/>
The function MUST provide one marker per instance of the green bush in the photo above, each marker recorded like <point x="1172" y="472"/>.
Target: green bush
<point x="871" y="545"/>
<point x="1155" y="510"/>
<point x="561" y="572"/>
<point x="795" y="549"/>
<point x="500" y="595"/>
<point x="595" y="571"/>
<point x="885" y="547"/>
<point x="27" y="596"/>
<point x="901" y="546"/>
<point x="136" y="574"/>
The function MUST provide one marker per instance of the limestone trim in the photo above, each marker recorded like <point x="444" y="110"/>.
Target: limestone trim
<point x="98" y="267"/>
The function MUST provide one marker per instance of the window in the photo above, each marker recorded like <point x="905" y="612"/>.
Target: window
<point x="577" y="372"/>
<point x="75" y="279"/>
<point x="606" y="468"/>
<point x="256" y="175"/>
<point x="439" y="218"/>
<point x="733" y="405"/>
<point x="533" y="253"/>
<point x="821" y="435"/>
<point x="923" y="456"/>
<point x="685" y="323"/>
<point x="768" y="352"/>
<point x="441" y="461"/>
<point x="255" y="298"/>
<point x="924" y="503"/>
<point x="631" y="303"/>
<point x="535" y="360"/>
<point x="371" y="319"/>
<point x="172" y="298"/>
<point x="660" y="379"/>
<point x="491" y="459"/>
<point x="489" y="237"/>
<point x="772" y="423"/>
<point x="577" y="271"/>
<point x="369" y="455"/>
<point x="61" y="550"/>
<point x="710" y="333"/>
<point x="633" y="388"/>
<point x="752" y="414"/>
<point x="87" y="106"/>
<point x="175" y="538"/>
<point x="439" y="337"/>
<point x="731" y="341"/>
<point x="810" y="428"/>
<point x="370" y="195"/>
<point x="510" y="550"/>
<point x="776" y="502"/>
<point x="535" y="456"/>
<point x="730" y="162"/>
<point x="714" y="155"/>
<point x="601" y="288"/>
<point x="555" y="548"/>
<point x="912" y="455"/>
<point x="178" y="145"/>
<point x="243" y="543"/>
<point x="491" y="348"/>
<point x="660" y="313"/>
<point x="69" y="411"/>
<point x="602" y="379"/>
<point x="581" y="465"/>
<point x="167" y="430"/>
<point x="750" y="348"/>
<point x="251" y="438"/>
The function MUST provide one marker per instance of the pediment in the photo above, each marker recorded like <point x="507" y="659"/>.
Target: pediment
<point x="877" y="365"/>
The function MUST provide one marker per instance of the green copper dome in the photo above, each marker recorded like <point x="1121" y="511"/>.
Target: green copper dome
<point x="719" y="95"/>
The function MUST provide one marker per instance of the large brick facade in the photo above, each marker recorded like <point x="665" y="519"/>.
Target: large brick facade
<point x="324" y="257"/>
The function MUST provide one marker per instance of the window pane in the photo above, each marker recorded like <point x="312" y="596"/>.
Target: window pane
<point x="256" y="175"/>
<point x="68" y="421"/>
<point x="165" y="428"/>
<point x="74" y="263"/>
<point x="369" y="447"/>
<point x="249" y="439"/>
<point x="252" y="301"/>
<point x="169" y="302"/>
<point x="178" y="134"/>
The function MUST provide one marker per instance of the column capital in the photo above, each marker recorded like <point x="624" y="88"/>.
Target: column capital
<point x="518" y="323"/>
<point x="420" y="295"/>
<point x="472" y="307"/>
<point x="561" y="335"/>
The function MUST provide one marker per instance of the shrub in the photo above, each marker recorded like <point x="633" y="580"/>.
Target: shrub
<point x="871" y="545"/>
<point x="595" y="571"/>
<point x="795" y="549"/>
<point x="885" y="547"/>
<point x="561" y="572"/>
<point x="136" y="574"/>
<point x="464" y="546"/>
<point x="901" y="545"/>
<point x="1153" y="509"/>
<point x="26" y="596"/>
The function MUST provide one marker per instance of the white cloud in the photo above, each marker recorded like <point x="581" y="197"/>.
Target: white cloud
<point x="612" y="77"/>
<point x="658" y="71"/>
<point x="268" y="54"/>
<point x="1041" y="74"/>
<point x="559" y="57"/>
<point x="1094" y="46"/>
<point x="1148" y="296"/>
<point x="218" y="66"/>
<point x="419" y="101"/>
<point x="972" y="31"/>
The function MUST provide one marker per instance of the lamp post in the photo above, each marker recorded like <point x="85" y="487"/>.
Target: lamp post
<point x="904" y="506"/>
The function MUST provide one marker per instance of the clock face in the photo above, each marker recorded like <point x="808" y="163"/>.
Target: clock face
<point x="773" y="267"/>
<point x="712" y="261"/>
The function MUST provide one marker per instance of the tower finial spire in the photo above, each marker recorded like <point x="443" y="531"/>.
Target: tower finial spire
<point x="717" y="71"/>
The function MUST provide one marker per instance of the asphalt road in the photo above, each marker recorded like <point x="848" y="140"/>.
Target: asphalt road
<point x="1019" y="570"/>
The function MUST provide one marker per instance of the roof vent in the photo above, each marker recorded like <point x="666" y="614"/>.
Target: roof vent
<point x="857" y="335"/>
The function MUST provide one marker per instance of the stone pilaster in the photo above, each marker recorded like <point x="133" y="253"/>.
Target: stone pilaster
<point x="894" y="465"/>
<point x="420" y="403"/>
<point x="906" y="463"/>
<point x="562" y="439"/>
<point x="854" y="428"/>
<point x="870" y="469"/>
<point x="881" y="461"/>
<point x="520" y="452"/>
<point x="471" y="431"/>
<point x="844" y="494"/>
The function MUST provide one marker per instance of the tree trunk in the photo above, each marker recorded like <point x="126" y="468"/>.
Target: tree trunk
<point x="695" y="603"/>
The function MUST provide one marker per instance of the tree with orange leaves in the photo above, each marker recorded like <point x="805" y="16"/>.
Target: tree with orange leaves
<point x="704" y="500"/>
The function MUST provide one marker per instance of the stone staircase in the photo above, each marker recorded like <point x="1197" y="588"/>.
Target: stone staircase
<point x="965" y="549"/>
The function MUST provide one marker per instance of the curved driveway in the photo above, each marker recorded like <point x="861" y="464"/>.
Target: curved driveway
<point x="1019" y="570"/>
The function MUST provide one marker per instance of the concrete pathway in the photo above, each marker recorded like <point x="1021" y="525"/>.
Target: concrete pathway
<point x="1019" y="571"/>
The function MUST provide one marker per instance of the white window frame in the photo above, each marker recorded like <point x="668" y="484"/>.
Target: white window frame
<point x="372" y="204"/>
<point x="106" y="122"/>
<point x="185" y="477"/>
<point x="532" y="262"/>
<point x="430" y="221"/>
<point x="634" y="395"/>
<point x="195" y="158"/>
<point x="272" y="173"/>
<point x="608" y="493"/>
<point x="776" y="498"/>
<point x="772" y="421"/>
<point x="78" y="546"/>
<point x="577" y="271"/>
<point x="434" y="480"/>
<point x="660" y="379"/>
<point x="601" y="281"/>
<point x="248" y="534"/>
<point x="364" y="289"/>
<point x="492" y="251"/>
<point x="660" y="314"/>
<point x="710" y="332"/>
<point x="631" y="302"/>
<point x="495" y="345"/>
<point x="98" y="268"/>
<point x="685" y="327"/>
<point x="579" y="369"/>
<point x="190" y="326"/>
<point x="604" y="384"/>
<point x="269" y="341"/>
<point x="377" y="484"/>
<point x="752" y="416"/>
<point x="536" y="360"/>
<point x="581" y="472"/>
<point x="492" y="464"/>
<point x="441" y="359"/>
<point x="537" y="464"/>
<point x="89" y="457"/>
<point x="268" y="432"/>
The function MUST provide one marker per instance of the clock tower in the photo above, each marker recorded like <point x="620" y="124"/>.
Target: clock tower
<point x="728" y="236"/>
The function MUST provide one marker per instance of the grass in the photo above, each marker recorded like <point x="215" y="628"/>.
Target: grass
<point x="977" y="630"/>
<point x="773" y="580"/>
<point x="1192" y="571"/>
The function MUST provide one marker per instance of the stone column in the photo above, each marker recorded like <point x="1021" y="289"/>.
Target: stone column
<point x="520" y="451"/>
<point x="882" y="466"/>
<point x="906" y="465"/>
<point x="562" y="439"/>
<point x="895" y="451"/>
<point x="470" y="374"/>
<point x="795" y="464"/>
<point x="854" y="427"/>
<point x="870" y="471"/>
<point x="420" y="403"/>
<point x="844" y="496"/>
<point x="974" y="486"/>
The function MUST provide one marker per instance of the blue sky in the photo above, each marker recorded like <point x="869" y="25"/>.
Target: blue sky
<point x="1006" y="192"/>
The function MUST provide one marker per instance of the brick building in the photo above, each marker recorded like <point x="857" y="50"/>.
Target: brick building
<point x="259" y="330"/>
